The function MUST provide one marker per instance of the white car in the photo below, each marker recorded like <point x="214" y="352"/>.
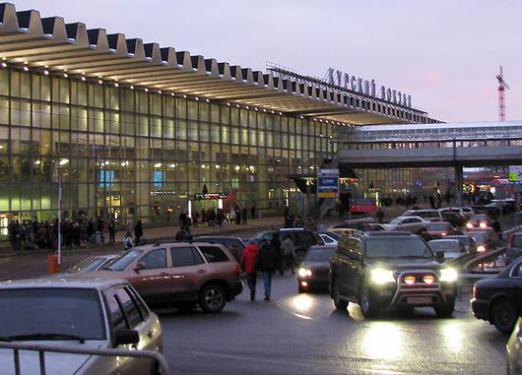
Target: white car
<point x="407" y="223"/>
<point x="426" y="214"/>
<point x="514" y="350"/>
<point x="77" y="312"/>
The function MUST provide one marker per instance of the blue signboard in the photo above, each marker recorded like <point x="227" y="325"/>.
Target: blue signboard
<point x="327" y="187"/>
<point x="158" y="178"/>
<point x="106" y="178"/>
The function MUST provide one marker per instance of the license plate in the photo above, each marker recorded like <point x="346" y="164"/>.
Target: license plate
<point x="419" y="300"/>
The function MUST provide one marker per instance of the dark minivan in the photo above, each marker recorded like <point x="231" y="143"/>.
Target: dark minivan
<point x="390" y="269"/>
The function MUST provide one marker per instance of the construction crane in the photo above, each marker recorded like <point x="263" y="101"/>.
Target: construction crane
<point x="502" y="86"/>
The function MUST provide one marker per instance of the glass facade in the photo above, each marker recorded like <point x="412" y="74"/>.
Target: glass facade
<point x="141" y="154"/>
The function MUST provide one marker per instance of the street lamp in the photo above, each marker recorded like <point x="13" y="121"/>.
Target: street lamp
<point x="62" y="162"/>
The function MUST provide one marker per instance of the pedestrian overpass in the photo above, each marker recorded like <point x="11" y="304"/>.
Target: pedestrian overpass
<point x="434" y="145"/>
<point x="454" y="145"/>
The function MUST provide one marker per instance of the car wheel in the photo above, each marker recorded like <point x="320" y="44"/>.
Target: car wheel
<point x="445" y="311"/>
<point x="504" y="315"/>
<point x="212" y="298"/>
<point x="367" y="304"/>
<point x="340" y="304"/>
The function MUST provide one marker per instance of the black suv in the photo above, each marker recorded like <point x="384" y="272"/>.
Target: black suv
<point x="390" y="269"/>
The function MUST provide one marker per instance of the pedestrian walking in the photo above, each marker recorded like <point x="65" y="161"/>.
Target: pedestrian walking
<point x="248" y="264"/>
<point x="112" y="231"/>
<point x="138" y="232"/>
<point x="244" y="215"/>
<point x="380" y="214"/>
<point x="288" y="254"/>
<point x="181" y="234"/>
<point x="253" y="211"/>
<point x="266" y="262"/>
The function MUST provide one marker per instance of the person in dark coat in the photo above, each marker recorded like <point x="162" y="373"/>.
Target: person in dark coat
<point x="138" y="232"/>
<point x="266" y="262"/>
<point x="244" y="212"/>
<point x="112" y="231"/>
<point x="181" y="235"/>
<point x="248" y="264"/>
<point x="90" y="230"/>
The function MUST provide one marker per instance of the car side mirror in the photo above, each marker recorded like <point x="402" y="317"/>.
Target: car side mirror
<point x="125" y="336"/>
<point x="439" y="256"/>
<point x="139" y="266"/>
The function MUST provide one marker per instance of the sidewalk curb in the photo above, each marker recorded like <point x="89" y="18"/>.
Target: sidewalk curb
<point x="118" y="245"/>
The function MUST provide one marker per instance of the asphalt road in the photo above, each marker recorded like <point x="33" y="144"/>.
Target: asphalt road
<point x="304" y="334"/>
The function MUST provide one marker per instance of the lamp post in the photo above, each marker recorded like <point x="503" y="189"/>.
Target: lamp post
<point x="59" y="212"/>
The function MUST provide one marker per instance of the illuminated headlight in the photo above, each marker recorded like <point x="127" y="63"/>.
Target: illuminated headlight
<point x="469" y="226"/>
<point x="483" y="225"/>
<point x="481" y="248"/>
<point x="443" y="234"/>
<point x="448" y="275"/>
<point x="304" y="272"/>
<point x="381" y="276"/>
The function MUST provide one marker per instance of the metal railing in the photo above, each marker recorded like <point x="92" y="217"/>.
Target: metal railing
<point x="163" y="365"/>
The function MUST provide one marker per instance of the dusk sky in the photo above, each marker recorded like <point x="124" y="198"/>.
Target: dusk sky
<point x="445" y="53"/>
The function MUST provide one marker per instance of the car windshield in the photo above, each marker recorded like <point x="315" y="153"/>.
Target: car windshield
<point x="479" y="237"/>
<point x="465" y="240"/>
<point x="426" y="214"/>
<point x="51" y="313"/>
<point x="319" y="254"/>
<point x="334" y="235"/>
<point x="119" y="264"/>
<point x="444" y="246"/>
<point x="517" y="240"/>
<point x="397" y="247"/>
<point x="89" y="264"/>
<point x="438" y="226"/>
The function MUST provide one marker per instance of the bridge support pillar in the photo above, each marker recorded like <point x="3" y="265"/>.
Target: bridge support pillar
<point x="459" y="181"/>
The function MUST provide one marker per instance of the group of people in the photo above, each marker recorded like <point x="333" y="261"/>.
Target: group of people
<point x="44" y="234"/>
<point x="266" y="258"/>
<point x="297" y="221"/>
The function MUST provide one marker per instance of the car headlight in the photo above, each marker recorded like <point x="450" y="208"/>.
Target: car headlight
<point x="483" y="225"/>
<point x="469" y="226"/>
<point x="448" y="275"/>
<point x="304" y="272"/>
<point x="381" y="276"/>
<point x="481" y="248"/>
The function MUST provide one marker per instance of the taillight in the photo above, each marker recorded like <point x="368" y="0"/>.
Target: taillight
<point x="474" y="291"/>
<point x="237" y="271"/>
<point x="511" y="240"/>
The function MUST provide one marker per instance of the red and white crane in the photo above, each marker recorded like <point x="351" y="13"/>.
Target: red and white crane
<point x="502" y="86"/>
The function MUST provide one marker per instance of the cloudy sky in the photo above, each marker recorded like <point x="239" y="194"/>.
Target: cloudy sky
<point x="445" y="53"/>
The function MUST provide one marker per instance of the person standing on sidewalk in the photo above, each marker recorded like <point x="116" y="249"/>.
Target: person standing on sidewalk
<point x="248" y="264"/>
<point x="266" y="262"/>
<point x="244" y="215"/>
<point x="112" y="230"/>
<point x="138" y="233"/>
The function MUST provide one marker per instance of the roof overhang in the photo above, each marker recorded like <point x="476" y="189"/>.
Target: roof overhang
<point x="51" y="44"/>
